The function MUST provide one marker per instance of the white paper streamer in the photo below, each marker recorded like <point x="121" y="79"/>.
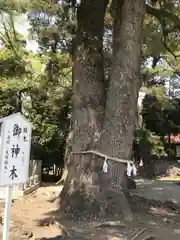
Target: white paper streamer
<point x="105" y="166"/>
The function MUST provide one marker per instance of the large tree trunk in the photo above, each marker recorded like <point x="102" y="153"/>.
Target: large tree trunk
<point x="88" y="76"/>
<point x="88" y="99"/>
<point x="121" y="105"/>
<point x="82" y="193"/>
<point x="117" y="133"/>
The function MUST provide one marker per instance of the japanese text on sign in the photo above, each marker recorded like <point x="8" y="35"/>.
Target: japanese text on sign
<point x="15" y="149"/>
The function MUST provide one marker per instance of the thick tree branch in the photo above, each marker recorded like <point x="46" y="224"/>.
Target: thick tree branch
<point x="163" y="13"/>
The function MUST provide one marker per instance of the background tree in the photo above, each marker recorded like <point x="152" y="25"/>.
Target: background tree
<point x="38" y="86"/>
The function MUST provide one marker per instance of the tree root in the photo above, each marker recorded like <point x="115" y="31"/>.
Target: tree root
<point x="139" y="233"/>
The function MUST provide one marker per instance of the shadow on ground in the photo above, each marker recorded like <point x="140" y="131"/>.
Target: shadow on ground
<point x="152" y="216"/>
<point x="160" y="190"/>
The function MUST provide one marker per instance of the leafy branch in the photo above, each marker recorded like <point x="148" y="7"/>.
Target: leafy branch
<point x="161" y="13"/>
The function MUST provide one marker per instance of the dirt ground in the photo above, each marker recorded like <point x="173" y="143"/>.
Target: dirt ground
<point x="163" y="189"/>
<point x="36" y="217"/>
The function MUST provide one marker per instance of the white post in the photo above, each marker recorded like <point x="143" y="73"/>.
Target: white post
<point x="7" y="212"/>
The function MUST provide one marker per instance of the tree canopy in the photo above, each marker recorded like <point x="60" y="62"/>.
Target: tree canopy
<point x="36" y="84"/>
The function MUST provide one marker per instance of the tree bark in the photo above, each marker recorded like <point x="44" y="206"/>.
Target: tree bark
<point x="88" y="105"/>
<point x="88" y="75"/>
<point x="88" y="101"/>
<point x="121" y="105"/>
<point x="66" y="157"/>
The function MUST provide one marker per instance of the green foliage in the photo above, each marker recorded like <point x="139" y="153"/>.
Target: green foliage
<point x="38" y="85"/>
<point x="53" y="24"/>
<point x="147" y="144"/>
<point x="160" y="114"/>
